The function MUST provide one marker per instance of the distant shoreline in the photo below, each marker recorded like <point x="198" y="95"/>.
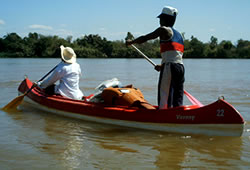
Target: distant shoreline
<point x="94" y="46"/>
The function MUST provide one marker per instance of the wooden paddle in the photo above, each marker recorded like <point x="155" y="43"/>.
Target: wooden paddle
<point x="18" y="100"/>
<point x="191" y="98"/>
<point x="149" y="60"/>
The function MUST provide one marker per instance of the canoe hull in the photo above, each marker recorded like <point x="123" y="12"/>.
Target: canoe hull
<point x="218" y="118"/>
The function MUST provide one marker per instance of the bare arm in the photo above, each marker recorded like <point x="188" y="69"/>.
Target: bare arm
<point x="164" y="33"/>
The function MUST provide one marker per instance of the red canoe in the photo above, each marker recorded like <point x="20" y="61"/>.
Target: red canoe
<point x="219" y="118"/>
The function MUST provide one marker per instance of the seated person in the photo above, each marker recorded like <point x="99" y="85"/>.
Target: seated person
<point x="68" y="73"/>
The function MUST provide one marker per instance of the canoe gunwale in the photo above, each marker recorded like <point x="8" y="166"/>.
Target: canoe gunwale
<point x="186" y="119"/>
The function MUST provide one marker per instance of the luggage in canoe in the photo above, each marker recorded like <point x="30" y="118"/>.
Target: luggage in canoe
<point x="218" y="118"/>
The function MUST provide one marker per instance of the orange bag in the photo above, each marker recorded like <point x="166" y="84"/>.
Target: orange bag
<point x="125" y="97"/>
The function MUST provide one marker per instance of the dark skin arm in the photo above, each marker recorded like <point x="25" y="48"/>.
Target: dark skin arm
<point x="165" y="33"/>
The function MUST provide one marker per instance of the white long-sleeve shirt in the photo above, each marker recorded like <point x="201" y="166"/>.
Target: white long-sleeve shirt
<point x="68" y="76"/>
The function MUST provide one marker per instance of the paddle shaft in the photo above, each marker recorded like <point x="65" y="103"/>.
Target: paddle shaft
<point x="40" y="80"/>
<point x="18" y="100"/>
<point x="149" y="60"/>
<point x="48" y="73"/>
<point x="191" y="98"/>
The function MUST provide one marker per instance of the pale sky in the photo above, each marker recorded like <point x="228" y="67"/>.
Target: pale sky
<point x="112" y="19"/>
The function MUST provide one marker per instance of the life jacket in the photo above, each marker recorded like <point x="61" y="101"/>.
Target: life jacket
<point x="132" y="97"/>
<point x="172" y="50"/>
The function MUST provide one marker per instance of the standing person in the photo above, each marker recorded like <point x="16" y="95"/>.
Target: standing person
<point x="171" y="80"/>
<point x="68" y="73"/>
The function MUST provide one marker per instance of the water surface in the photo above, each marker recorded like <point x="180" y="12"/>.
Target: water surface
<point x="31" y="139"/>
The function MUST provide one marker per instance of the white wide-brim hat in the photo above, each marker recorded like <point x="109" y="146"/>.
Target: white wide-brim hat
<point x="68" y="55"/>
<point x="168" y="10"/>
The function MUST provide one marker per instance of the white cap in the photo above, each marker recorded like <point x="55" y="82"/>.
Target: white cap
<point x="68" y="55"/>
<point x="168" y="10"/>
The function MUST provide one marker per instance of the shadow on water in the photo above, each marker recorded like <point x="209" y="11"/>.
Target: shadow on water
<point x="69" y="143"/>
<point x="31" y="139"/>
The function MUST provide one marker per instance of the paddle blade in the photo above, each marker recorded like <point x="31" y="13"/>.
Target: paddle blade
<point x="14" y="103"/>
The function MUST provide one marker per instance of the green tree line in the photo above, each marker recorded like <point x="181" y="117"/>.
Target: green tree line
<point x="94" y="46"/>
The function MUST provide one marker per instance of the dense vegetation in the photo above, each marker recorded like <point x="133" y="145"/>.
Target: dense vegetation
<point x="94" y="46"/>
